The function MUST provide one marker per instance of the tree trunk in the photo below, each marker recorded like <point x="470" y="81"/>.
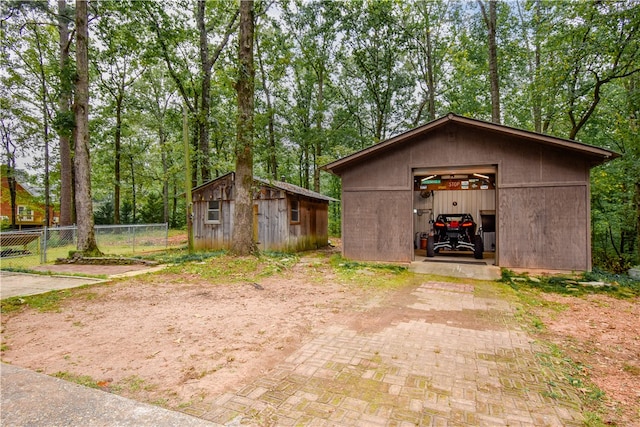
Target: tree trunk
<point x="174" y="206"/>
<point x="319" y="134"/>
<point x="47" y="182"/>
<point x="202" y="157"/>
<point x="165" y="175"/>
<point x="272" y="157"/>
<point x="86" y="236"/>
<point x="133" y="190"/>
<point x="491" y="21"/>
<point x="637" y="238"/>
<point x="243" y="243"/>
<point x="431" y="85"/>
<point x="64" y="101"/>
<point x="10" y="150"/>
<point x="45" y="132"/>
<point x="11" y="180"/>
<point x="537" y="97"/>
<point x="118" y="155"/>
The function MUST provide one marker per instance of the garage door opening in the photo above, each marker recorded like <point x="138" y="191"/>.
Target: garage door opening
<point x="454" y="215"/>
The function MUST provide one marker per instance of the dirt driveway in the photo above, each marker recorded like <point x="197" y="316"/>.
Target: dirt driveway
<point x="193" y="334"/>
<point x="172" y="337"/>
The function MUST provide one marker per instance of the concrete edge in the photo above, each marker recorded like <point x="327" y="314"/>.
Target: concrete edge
<point x="31" y="398"/>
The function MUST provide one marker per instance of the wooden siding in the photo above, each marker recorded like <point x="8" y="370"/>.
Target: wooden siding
<point x="542" y="197"/>
<point x="312" y="231"/>
<point x="275" y="231"/>
<point x="208" y="235"/>
<point x="544" y="227"/>
<point x="374" y="225"/>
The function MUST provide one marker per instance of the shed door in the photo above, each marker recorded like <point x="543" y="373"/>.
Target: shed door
<point x="312" y="221"/>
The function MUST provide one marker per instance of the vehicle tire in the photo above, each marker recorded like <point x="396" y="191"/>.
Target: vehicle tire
<point x="430" y="247"/>
<point x="478" y="247"/>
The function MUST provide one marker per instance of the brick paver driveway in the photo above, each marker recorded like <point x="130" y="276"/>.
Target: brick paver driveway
<point x="444" y="354"/>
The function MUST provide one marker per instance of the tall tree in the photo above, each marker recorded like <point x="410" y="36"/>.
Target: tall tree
<point x="46" y="119"/>
<point x="118" y="68"/>
<point x="271" y="55"/>
<point x="243" y="243"/>
<point x="158" y="97"/>
<point x="607" y="48"/>
<point x="32" y="78"/>
<point x="207" y="61"/>
<point x="425" y="22"/>
<point x="491" y="19"/>
<point x="9" y="168"/>
<point x="313" y="27"/>
<point x="585" y="47"/>
<point x="172" y="42"/>
<point x="374" y="84"/>
<point x="84" y="205"/>
<point x="64" y="118"/>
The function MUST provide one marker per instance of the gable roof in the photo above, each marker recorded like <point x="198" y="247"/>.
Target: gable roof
<point x="285" y="186"/>
<point x="599" y="155"/>
<point x="22" y="183"/>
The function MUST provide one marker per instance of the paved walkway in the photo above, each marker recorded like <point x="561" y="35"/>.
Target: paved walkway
<point x="476" y="368"/>
<point x="14" y="284"/>
<point x="23" y="284"/>
<point x="453" y="267"/>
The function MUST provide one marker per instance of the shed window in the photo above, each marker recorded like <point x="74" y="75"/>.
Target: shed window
<point x="25" y="213"/>
<point x="213" y="211"/>
<point x="295" y="211"/>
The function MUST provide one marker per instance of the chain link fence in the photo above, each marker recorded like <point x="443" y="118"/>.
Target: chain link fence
<point x="27" y="249"/>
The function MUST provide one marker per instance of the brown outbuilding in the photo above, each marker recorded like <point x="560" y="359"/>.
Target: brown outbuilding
<point x="285" y="217"/>
<point x="527" y="192"/>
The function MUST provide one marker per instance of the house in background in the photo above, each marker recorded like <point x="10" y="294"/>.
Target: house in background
<point x="533" y="187"/>
<point x="285" y="217"/>
<point x="29" y="210"/>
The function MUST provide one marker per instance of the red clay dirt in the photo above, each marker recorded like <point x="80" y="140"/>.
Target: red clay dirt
<point x="602" y="334"/>
<point x="172" y="339"/>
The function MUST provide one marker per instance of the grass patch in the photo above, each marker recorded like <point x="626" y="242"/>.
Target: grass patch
<point x="370" y="274"/>
<point x="565" y="375"/>
<point x="134" y="384"/>
<point x="84" y="380"/>
<point x="181" y="256"/>
<point x="49" y="301"/>
<point x="632" y="369"/>
<point x="573" y="376"/>
<point x="50" y="273"/>
<point x="220" y="265"/>
<point x="595" y="282"/>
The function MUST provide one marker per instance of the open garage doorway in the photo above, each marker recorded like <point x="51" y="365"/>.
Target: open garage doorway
<point x="454" y="214"/>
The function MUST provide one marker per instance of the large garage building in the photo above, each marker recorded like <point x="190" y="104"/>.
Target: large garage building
<point x="527" y="192"/>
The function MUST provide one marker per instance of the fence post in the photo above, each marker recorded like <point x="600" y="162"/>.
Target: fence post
<point x="166" y="235"/>
<point x="134" y="238"/>
<point x="43" y="257"/>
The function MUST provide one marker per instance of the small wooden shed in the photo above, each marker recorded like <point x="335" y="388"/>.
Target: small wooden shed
<point x="533" y="187"/>
<point x="285" y="217"/>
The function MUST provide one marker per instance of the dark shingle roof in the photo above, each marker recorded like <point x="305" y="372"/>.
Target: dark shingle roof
<point x="294" y="189"/>
<point x="285" y="186"/>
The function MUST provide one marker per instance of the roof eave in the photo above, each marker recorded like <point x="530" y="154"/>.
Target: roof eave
<point x="340" y="163"/>
<point x="599" y="155"/>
